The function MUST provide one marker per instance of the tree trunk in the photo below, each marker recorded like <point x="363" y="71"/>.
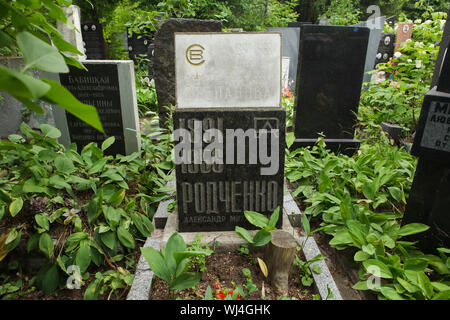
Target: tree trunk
<point x="279" y="257"/>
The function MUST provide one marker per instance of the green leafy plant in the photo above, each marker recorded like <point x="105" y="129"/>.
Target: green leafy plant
<point x="27" y="29"/>
<point x="172" y="262"/>
<point x="263" y="236"/>
<point x="200" y="260"/>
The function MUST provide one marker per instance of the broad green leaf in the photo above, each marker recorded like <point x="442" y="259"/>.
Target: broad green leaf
<point x="50" y="282"/>
<point x="109" y="239"/>
<point x="93" y="290"/>
<point x="62" y="97"/>
<point x="42" y="221"/>
<point x="412" y="228"/>
<point x="361" y="256"/>
<point x="256" y="219"/>
<point x="174" y="244"/>
<point x="64" y="165"/>
<point x="208" y="294"/>
<point x="22" y="85"/>
<point x="396" y="193"/>
<point x="273" y="219"/>
<point x="391" y="293"/>
<point x="305" y="224"/>
<point x="244" y="234"/>
<point x="46" y="245"/>
<point x="157" y="263"/>
<point x="39" y="54"/>
<point x="15" y="206"/>
<point x="108" y="142"/>
<point x="377" y="268"/>
<point x="126" y="238"/>
<point x="117" y="198"/>
<point x="186" y="280"/>
<point x="83" y="258"/>
<point x="50" y="131"/>
<point x="261" y="238"/>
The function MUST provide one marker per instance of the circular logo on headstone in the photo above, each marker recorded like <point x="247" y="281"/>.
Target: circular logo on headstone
<point x="130" y="48"/>
<point x="387" y="40"/>
<point x="145" y="42"/>
<point x="379" y="55"/>
<point x="385" y="56"/>
<point x="194" y="54"/>
<point x="85" y="27"/>
<point x="93" y="27"/>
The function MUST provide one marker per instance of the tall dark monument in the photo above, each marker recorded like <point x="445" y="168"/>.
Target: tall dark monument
<point x="429" y="199"/>
<point x="329" y="78"/>
<point x="94" y="42"/>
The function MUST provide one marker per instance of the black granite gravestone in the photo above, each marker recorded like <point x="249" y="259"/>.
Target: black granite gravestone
<point x="329" y="79"/>
<point x="213" y="197"/>
<point x="164" y="58"/>
<point x="429" y="198"/>
<point x="139" y="43"/>
<point x="99" y="87"/>
<point x="94" y="43"/>
<point x="386" y="48"/>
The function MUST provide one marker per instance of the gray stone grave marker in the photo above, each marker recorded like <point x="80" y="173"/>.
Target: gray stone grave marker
<point x="240" y="165"/>
<point x="376" y="28"/>
<point x="108" y="85"/>
<point x="290" y="42"/>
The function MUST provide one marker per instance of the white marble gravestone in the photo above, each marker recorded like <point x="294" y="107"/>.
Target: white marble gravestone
<point x="228" y="70"/>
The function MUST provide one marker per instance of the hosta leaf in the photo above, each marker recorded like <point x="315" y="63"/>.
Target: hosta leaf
<point x="126" y="238"/>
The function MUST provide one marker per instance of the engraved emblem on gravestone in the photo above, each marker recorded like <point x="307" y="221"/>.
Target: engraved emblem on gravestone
<point x="130" y="48"/>
<point x="436" y="134"/>
<point x="379" y="55"/>
<point x="194" y="54"/>
<point x="94" y="27"/>
<point x="385" y="56"/>
<point x="387" y="41"/>
<point x="86" y="27"/>
<point x="205" y="80"/>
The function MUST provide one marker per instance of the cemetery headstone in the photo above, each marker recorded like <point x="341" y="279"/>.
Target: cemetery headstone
<point x="94" y="42"/>
<point x="404" y="32"/>
<point x="376" y="28"/>
<point x="164" y="57"/>
<point x="139" y="43"/>
<point x="443" y="44"/>
<point x="329" y="78"/>
<point x="429" y="198"/>
<point x="72" y="34"/>
<point x="290" y="42"/>
<point x="392" y="20"/>
<point x="386" y="48"/>
<point x="229" y="129"/>
<point x="108" y="85"/>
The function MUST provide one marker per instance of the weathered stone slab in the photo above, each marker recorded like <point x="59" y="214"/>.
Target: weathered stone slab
<point x="247" y="76"/>
<point x="164" y="58"/>
<point x="404" y="32"/>
<point x="213" y="197"/>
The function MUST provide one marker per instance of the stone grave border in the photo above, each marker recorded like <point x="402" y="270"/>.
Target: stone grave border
<point x="166" y="224"/>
